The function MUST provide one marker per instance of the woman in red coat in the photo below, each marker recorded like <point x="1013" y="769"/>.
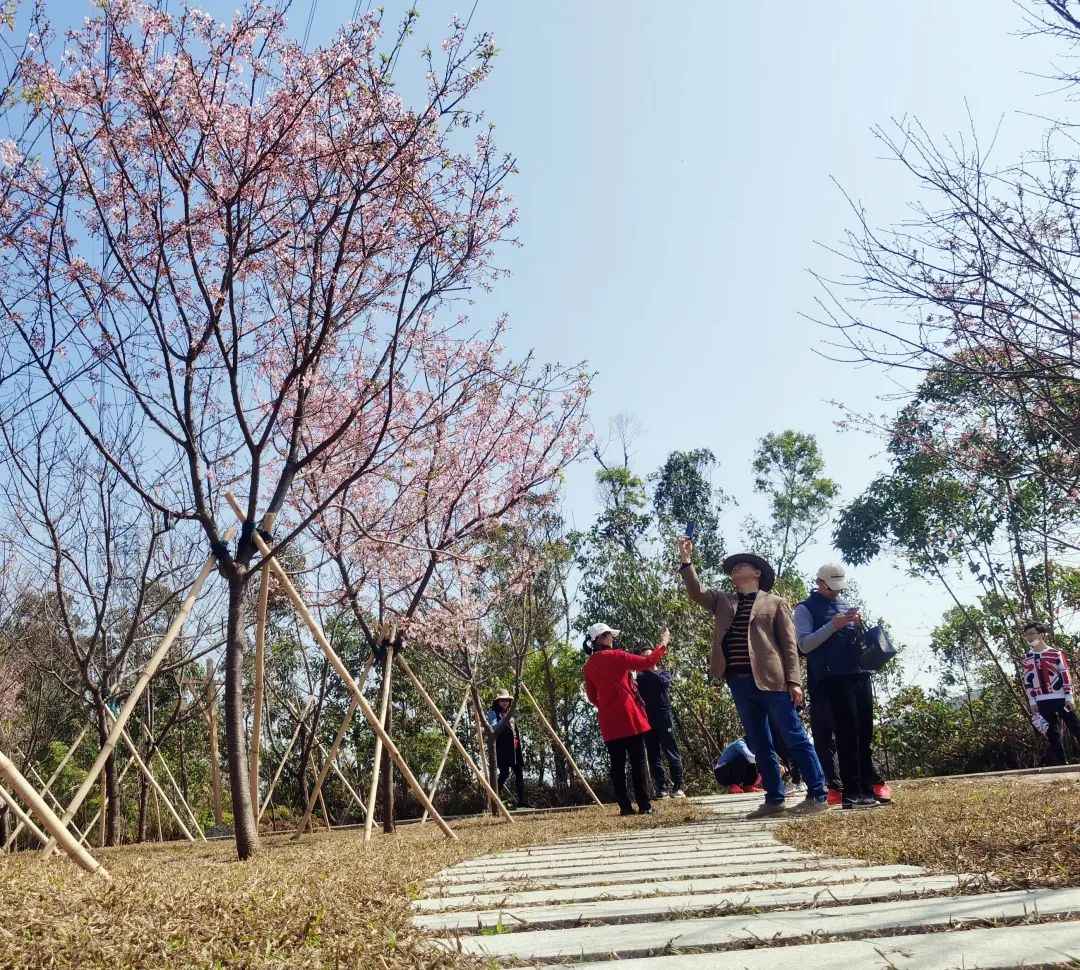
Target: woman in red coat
<point x="623" y="722"/>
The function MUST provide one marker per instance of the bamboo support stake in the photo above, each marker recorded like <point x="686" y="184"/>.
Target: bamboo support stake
<point x="384" y="705"/>
<point x="52" y="780"/>
<point x="175" y="787"/>
<point x="157" y="816"/>
<point x="480" y="745"/>
<point x="446" y="753"/>
<point x="215" y="763"/>
<point x="330" y="758"/>
<point x="149" y="776"/>
<point x="325" y="810"/>
<point x="481" y="776"/>
<point x="558" y="741"/>
<point x="260" y="655"/>
<point x="137" y="690"/>
<point x="343" y="673"/>
<point x="285" y="757"/>
<point x="25" y="821"/>
<point x="56" y="827"/>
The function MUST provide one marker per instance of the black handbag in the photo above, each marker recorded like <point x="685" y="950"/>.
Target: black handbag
<point x="877" y="649"/>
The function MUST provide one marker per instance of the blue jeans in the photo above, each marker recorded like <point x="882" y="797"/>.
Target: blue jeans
<point x="756" y="707"/>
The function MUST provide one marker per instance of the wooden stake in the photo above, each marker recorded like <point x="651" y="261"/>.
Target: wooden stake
<point x="478" y="718"/>
<point x="104" y="812"/>
<point x="215" y="766"/>
<point x="446" y="753"/>
<point x="157" y="816"/>
<point x="56" y="827"/>
<point x="285" y="756"/>
<point x="260" y="663"/>
<point x="481" y="776"/>
<point x="136" y="692"/>
<point x="558" y="741"/>
<point x="384" y="704"/>
<point x="343" y="673"/>
<point x="330" y="758"/>
<point x="24" y="819"/>
<point x="52" y="779"/>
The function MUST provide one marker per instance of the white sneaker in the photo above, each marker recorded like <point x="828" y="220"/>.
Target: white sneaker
<point x="678" y="793"/>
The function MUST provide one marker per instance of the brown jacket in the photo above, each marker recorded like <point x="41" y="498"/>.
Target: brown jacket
<point x="774" y="655"/>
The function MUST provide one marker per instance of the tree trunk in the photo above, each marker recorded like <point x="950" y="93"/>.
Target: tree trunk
<point x="111" y="786"/>
<point x="5" y="827"/>
<point x="247" y="832"/>
<point x="560" y="770"/>
<point x="386" y="773"/>
<point x="144" y="798"/>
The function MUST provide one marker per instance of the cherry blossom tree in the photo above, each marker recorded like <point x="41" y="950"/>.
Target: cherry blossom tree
<point x="244" y="250"/>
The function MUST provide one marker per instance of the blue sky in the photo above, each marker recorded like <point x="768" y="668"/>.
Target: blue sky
<point x="677" y="165"/>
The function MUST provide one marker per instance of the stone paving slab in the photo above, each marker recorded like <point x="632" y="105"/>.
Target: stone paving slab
<point x="761" y="866"/>
<point x="645" y="939"/>
<point x="672" y="887"/>
<point x="575" y="851"/>
<point x="641" y="864"/>
<point x="662" y="907"/>
<point x="1050" y="944"/>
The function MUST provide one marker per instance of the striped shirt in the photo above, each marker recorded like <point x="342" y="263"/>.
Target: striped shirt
<point x="736" y="642"/>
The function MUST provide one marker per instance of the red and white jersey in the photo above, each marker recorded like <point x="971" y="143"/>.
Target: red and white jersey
<point x="1046" y="676"/>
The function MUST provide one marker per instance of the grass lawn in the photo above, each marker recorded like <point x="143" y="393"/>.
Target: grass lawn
<point x="1017" y="832"/>
<point x="327" y="901"/>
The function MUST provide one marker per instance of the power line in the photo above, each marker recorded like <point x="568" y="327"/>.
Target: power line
<point x="310" y="18"/>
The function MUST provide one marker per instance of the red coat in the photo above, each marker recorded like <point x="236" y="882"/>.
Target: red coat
<point x="609" y="686"/>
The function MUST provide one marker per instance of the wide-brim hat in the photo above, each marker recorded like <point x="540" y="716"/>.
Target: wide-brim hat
<point x="768" y="574"/>
<point x="503" y="695"/>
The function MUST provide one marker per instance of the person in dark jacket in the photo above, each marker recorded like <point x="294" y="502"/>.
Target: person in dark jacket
<point x="828" y="628"/>
<point x="508" y="753"/>
<point x="655" y="689"/>
<point x="620" y="711"/>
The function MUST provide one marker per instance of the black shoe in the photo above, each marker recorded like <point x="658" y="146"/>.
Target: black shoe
<point x="648" y="811"/>
<point x="627" y="811"/>
<point x="861" y="802"/>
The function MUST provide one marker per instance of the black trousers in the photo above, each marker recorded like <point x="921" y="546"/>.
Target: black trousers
<point x="738" y="771"/>
<point x="823" y="728"/>
<point x="632" y="748"/>
<point x="1059" y="719"/>
<point x="660" y="743"/>
<point x="519" y="780"/>
<point x="852" y="702"/>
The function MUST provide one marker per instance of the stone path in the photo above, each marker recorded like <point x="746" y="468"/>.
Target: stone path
<point x="725" y="894"/>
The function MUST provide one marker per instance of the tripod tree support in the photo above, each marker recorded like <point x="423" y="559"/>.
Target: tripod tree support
<point x="330" y="759"/>
<point x="446" y="752"/>
<point x="558" y="741"/>
<point x="343" y="672"/>
<point x="49" y="783"/>
<point x="481" y="776"/>
<point x="136" y="694"/>
<point x="149" y="776"/>
<point x="175" y="787"/>
<point x="56" y="827"/>
<point x="24" y="819"/>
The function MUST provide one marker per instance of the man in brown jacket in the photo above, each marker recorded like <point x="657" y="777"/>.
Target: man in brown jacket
<point x="754" y="650"/>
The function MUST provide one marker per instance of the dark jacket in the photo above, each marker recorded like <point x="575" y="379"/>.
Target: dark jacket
<point x="654" y="686"/>
<point x="839" y="654"/>
<point x="507" y="741"/>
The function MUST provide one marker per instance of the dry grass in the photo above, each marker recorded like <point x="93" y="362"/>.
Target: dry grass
<point x="1018" y="833"/>
<point x="327" y="901"/>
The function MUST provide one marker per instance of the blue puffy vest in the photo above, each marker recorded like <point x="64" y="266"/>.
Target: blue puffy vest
<point x="839" y="654"/>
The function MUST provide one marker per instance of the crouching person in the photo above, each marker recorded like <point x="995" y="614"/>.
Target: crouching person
<point x="736" y="768"/>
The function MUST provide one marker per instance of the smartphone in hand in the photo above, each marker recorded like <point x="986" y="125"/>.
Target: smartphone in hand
<point x="691" y="528"/>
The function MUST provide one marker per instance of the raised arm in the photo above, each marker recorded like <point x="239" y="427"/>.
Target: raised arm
<point x="706" y="598"/>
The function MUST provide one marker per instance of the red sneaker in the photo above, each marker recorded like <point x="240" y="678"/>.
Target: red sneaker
<point x="756" y="789"/>
<point x="883" y="793"/>
<point x="735" y="789"/>
<point x="836" y="797"/>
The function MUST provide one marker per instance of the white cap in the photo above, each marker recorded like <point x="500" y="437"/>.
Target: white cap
<point x="832" y="575"/>
<point x="599" y="629"/>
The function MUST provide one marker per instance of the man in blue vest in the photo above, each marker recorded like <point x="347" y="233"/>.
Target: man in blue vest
<point x="828" y="630"/>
